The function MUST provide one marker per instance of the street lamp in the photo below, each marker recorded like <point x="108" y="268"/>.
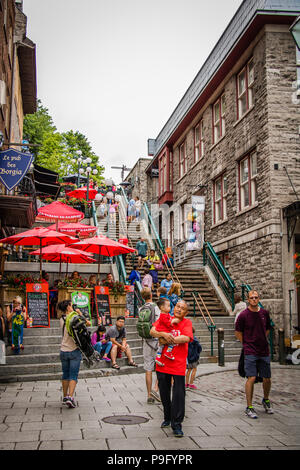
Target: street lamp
<point x="88" y="171"/>
<point x="295" y="32"/>
<point x="78" y="160"/>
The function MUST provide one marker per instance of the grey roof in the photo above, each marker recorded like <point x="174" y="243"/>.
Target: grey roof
<point x="237" y="25"/>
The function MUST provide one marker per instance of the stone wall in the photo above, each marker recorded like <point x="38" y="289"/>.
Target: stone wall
<point x="253" y="237"/>
<point x="138" y="178"/>
<point x="7" y="24"/>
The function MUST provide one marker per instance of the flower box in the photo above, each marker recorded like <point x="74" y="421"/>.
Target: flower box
<point x="64" y="293"/>
<point x="117" y="304"/>
<point x="7" y="294"/>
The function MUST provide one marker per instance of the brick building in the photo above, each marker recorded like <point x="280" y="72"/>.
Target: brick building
<point x="234" y="138"/>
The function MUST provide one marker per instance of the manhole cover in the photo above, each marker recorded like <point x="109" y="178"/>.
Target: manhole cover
<point x="125" y="419"/>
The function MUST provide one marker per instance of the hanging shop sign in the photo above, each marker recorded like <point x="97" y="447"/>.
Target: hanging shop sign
<point x="13" y="167"/>
<point x="196" y="224"/>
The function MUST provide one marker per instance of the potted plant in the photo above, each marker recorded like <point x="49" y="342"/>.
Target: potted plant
<point x="15" y="284"/>
<point x="68" y="285"/>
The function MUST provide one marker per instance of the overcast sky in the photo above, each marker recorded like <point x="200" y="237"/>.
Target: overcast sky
<point x="115" y="69"/>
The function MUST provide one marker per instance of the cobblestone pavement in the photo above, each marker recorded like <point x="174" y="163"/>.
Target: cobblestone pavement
<point x="32" y="416"/>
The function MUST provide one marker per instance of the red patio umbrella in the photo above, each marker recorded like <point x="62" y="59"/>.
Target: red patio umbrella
<point x="73" y="228"/>
<point x="102" y="245"/>
<point x="81" y="193"/>
<point x="40" y="236"/>
<point x="58" y="211"/>
<point x="64" y="254"/>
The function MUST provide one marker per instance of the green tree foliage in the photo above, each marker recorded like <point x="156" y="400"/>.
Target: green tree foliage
<point x="55" y="150"/>
<point x="37" y="126"/>
<point x="74" y="141"/>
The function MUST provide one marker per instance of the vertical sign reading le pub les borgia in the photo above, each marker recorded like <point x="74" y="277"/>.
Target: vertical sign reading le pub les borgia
<point x="13" y="167"/>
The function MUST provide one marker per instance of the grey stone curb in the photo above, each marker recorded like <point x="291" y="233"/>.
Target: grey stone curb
<point x="232" y="366"/>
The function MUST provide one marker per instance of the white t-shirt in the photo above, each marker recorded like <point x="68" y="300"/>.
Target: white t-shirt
<point x="67" y="344"/>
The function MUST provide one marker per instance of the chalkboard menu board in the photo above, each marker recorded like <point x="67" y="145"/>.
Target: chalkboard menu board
<point x="130" y="300"/>
<point x="103" y="305"/>
<point x="37" y="303"/>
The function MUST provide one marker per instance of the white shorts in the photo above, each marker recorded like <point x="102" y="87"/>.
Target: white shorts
<point x="149" y="355"/>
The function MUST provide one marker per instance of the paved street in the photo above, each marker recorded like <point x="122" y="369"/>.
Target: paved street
<point x="32" y="416"/>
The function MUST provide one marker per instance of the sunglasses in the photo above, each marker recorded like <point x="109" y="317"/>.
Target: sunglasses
<point x="253" y="298"/>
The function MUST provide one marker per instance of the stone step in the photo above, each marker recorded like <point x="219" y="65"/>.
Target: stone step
<point x="53" y="331"/>
<point x="100" y="372"/>
<point x="36" y="345"/>
<point x="24" y="369"/>
<point x="83" y="374"/>
<point x="54" y="358"/>
<point x="45" y="358"/>
<point x="40" y="358"/>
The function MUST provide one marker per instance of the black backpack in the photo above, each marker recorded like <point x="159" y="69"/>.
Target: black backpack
<point x="194" y="351"/>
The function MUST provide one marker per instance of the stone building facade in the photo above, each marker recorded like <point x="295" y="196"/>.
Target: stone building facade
<point x="238" y="145"/>
<point x="18" y="96"/>
<point x="17" y="71"/>
<point x="139" y="182"/>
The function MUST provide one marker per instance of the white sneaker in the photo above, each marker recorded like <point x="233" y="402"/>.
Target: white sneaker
<point x="251" y="413"/>
<point x="267" y="406"/>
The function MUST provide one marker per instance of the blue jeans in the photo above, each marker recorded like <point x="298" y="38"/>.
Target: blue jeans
<point x="100" y="347"/>
<point x="70" y="362"/>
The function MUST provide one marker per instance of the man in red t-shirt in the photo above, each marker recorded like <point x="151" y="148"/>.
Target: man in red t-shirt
<point x="180" y="336"/>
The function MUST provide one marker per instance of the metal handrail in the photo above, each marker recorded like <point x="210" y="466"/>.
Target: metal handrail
<point x="160" y="248"/>
<point x="94" y="216"/>
<point x="173" y="273"/>
<point x="211" y="327"/>
<point x="121" y="269"/>
<point x="157" y="238"/>
<point x="224" y="280"/>
<point x="219" y="264"/>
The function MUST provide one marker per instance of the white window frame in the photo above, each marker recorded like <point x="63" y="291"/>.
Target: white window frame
<point x="182" y="160"/>
<point x="183" y="222"/>
<point x="248" y="185"/>
<point x="220" y="201"/>
<point x="171" y="170"/>
<point x="219" y="126"/>
<point x="198" y="142"/>
<point x="247" y="92"/>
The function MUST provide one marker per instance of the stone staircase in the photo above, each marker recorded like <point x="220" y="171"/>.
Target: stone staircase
<point x="40" y="358"/>
<point x="191" y="279"/>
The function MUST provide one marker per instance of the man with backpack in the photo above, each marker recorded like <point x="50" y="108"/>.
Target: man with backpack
<point x="148" y="314"/>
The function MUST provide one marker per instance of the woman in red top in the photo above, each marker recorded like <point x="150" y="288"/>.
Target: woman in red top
<point x="124" y="241"/>
<point x="180" y="336"/>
